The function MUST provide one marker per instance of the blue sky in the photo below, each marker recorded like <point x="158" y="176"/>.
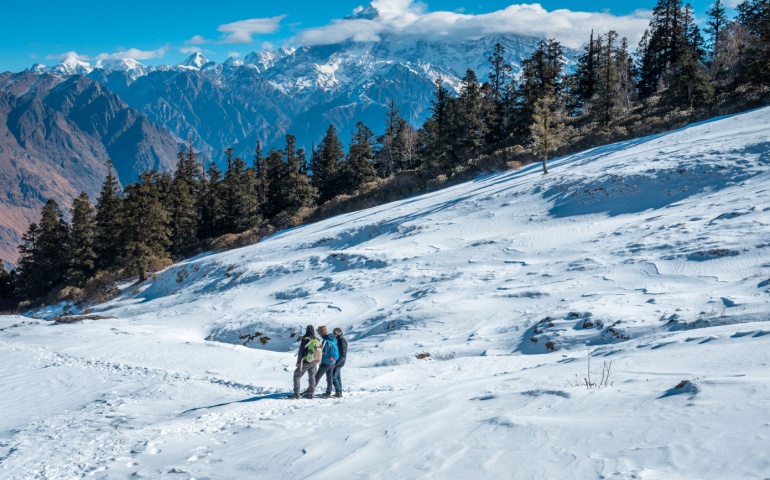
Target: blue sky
<point x="159" y="31"/>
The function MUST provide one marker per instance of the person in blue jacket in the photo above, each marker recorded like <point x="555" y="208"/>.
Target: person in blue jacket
<point x="329" y="359"/>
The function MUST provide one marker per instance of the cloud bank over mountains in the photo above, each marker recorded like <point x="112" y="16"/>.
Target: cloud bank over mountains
<point x="412" y="20"/>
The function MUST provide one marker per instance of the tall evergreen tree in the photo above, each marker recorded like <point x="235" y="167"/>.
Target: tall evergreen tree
<point x="238" y="193"/>
<point x="185" y="208"/>
<point x="7" y="290"/>
<point x="43" y="255"/>
<point x="298" y="191"/>
<point x="541" y="76"/>
<point x="657" y="49"/>
<point x="434" y="147"/>
<point x="326" y="165"/>
<point x="108" y="242"/>
<point x="260" y="182"/>
<point x="388" y="156"/>
<point x="275" y="173"/>
<point x="469" y="123"/>
<point x="360" y="164"/>
<point x="585" y="73"/>
<point x="547" y="127"/>
<point x="500" y="75"/>
<point x="717" y="22"/>
<point x="212" y="204"/>
<point x="754" y="17"/>
<point x="82" y="231"/>
<point x="687" y="81"/>
<point x="146" y="224"/>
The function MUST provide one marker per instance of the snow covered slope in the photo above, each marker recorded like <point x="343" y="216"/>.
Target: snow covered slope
<point x="651" y="254"/>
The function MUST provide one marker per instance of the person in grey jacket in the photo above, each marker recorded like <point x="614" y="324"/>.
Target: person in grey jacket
<point x="342" y="345"/>
<point x="305" y="363"/>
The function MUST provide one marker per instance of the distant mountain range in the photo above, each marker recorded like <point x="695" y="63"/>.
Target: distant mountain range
<point x="137" y="115"/>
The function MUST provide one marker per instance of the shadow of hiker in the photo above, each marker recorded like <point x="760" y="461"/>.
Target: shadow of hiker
<point x="272" y="396"/>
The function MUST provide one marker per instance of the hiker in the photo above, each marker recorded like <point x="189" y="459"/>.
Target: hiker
<point x="342" y="345"/>
<point x="330" y="355"/>
<point x="307" y="362"/>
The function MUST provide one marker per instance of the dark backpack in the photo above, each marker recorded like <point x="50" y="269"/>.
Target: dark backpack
<point x="331" y="350"/>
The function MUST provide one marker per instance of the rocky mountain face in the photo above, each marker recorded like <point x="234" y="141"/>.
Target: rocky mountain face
<point x="56" y="133"/>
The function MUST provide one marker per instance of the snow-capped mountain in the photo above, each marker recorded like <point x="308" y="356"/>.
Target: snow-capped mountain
<point x="128" y="65"/>
<point x="72" y="66"/>
<point x="196" y="61"/>
<point x="299" y="91"/>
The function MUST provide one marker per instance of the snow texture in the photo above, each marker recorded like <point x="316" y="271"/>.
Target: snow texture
<point x="652" y="256"/>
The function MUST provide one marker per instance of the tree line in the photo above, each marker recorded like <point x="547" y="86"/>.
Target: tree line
<point x="164" y="217"/>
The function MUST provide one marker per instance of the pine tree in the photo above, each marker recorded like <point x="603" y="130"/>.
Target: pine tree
<point x="82" y="264"/>
<point x="469" y="126"/>
<point x="388" y="156"/>
<point x="586" y="73"/>
<point x="754" y="17"/>
<point x="108" y="242"/>
<point x="146" y="225"/>
<point x="260" y="184"/>
<point x="212" y="205"/>
<point x="238" y="194"/>
<point x="541" y="77"/>
<point x="687" y="82"/>
<point x="298" y="191"/>
<point x="434" y="147"/>
<point x="43" y="255"/>
<point x="407" y="145"/>
<point x="275" y="172"/>
<point x="547" y="127"/>
<point x="608" y="87"/>
<point x="326" y="166"/>
<point x="360" y="166"/>
<point x="185" y="213"/>
<point x="7" y="291"/>
<point x="500" y="75"/>
<point x="716" y="25"/>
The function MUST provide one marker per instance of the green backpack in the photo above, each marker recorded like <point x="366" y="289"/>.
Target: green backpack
<point x="314" y="351"/>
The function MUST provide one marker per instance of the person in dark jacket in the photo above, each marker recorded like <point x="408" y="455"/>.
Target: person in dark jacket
<point x="327" y="363"/>
<point x="342" y="345"/>
<point x="305" y="363"/>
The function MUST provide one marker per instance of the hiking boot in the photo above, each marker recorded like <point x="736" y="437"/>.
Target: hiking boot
<point x="294" y="396"/>
<point x="308" y="395"/>
<point x="338" y="395"/>
<point x="327" y="395"/>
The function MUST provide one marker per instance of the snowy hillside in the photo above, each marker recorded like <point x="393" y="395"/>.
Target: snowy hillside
<point x="652" y="254"/>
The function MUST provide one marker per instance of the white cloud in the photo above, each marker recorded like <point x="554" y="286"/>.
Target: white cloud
<point x="66" y="55"/>
<point x="134" y="53"/>
<point x="196" y="40"/>
<point x="407" y="18"/>
<point x="191" y="50"/>
<point x="242" y="31"/>
<point x="233" y="54"/>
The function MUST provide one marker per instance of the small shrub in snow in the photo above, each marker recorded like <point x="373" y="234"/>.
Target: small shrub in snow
<point x="182" y="275"/>
<point x="551" y="346"/>
<point x="421" y="356"/>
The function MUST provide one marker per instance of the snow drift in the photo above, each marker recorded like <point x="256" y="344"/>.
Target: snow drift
<point x="652" y="256"/>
